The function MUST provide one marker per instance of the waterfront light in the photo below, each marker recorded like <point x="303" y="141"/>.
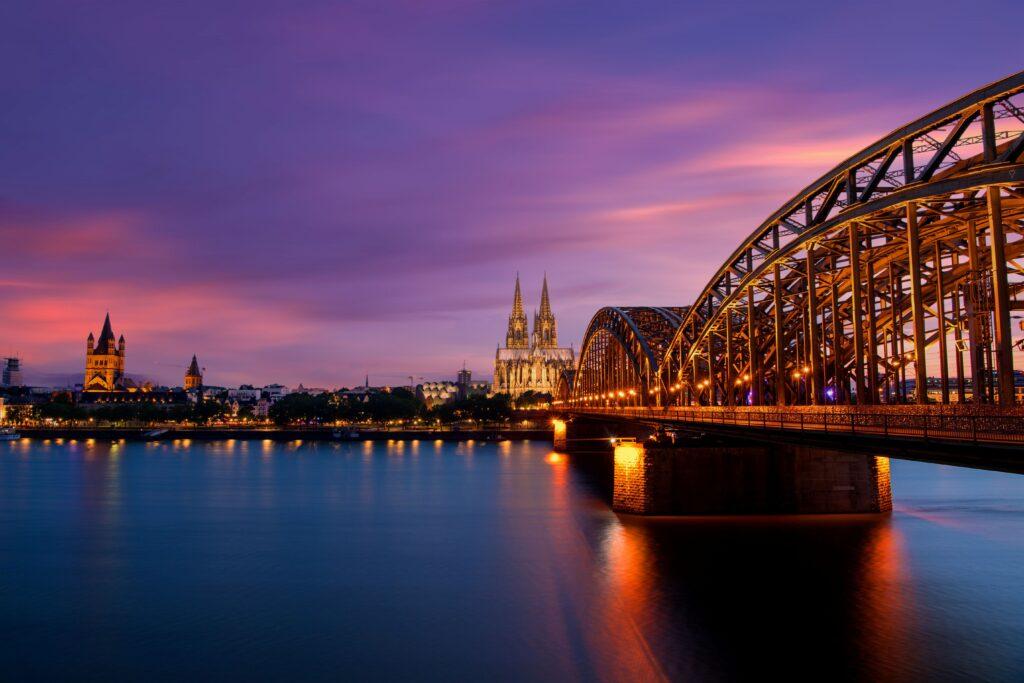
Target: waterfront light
<point x="627" y="455"/>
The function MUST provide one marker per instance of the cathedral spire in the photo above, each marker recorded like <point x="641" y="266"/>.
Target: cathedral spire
<point x="545" y="329"/>
<point x="545" y="302"/>
<point x="517" y="336"/>
<point x="517" y="301"/>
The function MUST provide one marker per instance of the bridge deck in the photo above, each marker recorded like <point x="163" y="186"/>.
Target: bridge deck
<point x="996" y="440"/>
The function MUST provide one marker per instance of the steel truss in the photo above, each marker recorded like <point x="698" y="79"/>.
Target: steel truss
<point x="839" y="296"/>
<point x="621" y="352"/>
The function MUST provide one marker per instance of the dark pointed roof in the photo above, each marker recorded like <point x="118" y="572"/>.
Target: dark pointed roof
<point x="193" y="369"/>
<point x="107" y="334"/>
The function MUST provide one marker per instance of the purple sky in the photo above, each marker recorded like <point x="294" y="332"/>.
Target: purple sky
<point x="309" y="191"/>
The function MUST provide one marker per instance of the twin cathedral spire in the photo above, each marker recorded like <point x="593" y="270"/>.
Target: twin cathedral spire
<point x="531" y="362"/>
<point x="545" y="328"/>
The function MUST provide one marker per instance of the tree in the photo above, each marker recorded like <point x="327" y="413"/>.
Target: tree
<point x="305" y="409"/>
<point x="202" y="412"/>
<point x="497" y="408"/>
<point x="61" y="406"/>
<point x="533" y="399"/>
<point x="399" y="404"/>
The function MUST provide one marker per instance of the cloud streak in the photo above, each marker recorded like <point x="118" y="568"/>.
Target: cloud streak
<point x="308" y="192"/>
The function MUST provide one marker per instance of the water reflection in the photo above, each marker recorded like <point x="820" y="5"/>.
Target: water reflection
<point x="347" y="560"/>
<point x="721" y="598"/>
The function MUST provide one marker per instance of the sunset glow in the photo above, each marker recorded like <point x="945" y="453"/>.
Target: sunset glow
<point x="313" y="200"/>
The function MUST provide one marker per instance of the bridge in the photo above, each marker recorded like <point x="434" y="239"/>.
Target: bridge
<point x="873" y="310"/>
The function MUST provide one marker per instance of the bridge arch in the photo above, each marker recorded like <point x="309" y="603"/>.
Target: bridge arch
<point x="622" y="348"/>
<point x="899" y="262"/>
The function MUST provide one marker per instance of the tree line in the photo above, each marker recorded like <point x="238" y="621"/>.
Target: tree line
<point x="399" y="404"/>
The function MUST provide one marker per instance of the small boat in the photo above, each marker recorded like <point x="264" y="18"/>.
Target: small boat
<point x="347" y="435"/>
<point x="155" y="433"/>
<point x="8" y="434"/>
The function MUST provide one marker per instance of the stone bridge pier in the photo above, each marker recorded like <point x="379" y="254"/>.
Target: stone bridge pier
<point x="583" y="435"/>
<point x="715" y="476"/>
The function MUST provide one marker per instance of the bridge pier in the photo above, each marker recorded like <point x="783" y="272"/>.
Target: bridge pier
<point x="650" y="479"/>
<point x="582" y="435"/>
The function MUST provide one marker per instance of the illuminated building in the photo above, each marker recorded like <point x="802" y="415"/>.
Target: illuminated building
<point x="434" y="393"/>
<point x="104" y="361"/>
<point x="193" y="376"/>
<point x="531" y="362"/>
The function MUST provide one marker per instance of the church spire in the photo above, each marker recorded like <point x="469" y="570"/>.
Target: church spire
<point x="107" y="335"/>
<point x="545" y="329"/>
<point x="517" y="301"/>
<point x="545" y="302"/>
<point x="193" y="376"/>
<point x="517" y="335"/>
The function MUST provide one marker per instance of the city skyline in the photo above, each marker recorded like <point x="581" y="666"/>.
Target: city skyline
<point x="285" y="193"/>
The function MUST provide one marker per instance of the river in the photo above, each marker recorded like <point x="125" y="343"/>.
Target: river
<point x="471" y="561"/>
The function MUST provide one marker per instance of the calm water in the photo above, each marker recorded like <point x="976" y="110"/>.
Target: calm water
<point x="480" y="562"/>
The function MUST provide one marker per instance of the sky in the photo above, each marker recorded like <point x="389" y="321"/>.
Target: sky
<point x="315" y="191"/>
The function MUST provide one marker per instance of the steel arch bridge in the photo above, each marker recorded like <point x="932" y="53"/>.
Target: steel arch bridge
<point x="622" y="351"/>
<point x="901" y="261"/>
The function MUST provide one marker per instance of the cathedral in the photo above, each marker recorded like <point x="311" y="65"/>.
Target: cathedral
<point x="104" y="361"/>
<point x="531" y="362"/>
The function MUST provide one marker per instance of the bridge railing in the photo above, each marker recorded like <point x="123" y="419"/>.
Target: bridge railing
<point x="966" y="427"/>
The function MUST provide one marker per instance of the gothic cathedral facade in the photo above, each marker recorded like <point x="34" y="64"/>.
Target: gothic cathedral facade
<point x="531" y="362"/>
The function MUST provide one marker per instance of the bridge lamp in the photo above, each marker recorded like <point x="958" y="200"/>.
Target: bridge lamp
<point x="739" y="381"/>
<point x="632" y="392"/>
<point x="622" y="394"/>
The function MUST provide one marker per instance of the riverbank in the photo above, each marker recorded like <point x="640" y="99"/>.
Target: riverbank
<point x="280" y="434"/>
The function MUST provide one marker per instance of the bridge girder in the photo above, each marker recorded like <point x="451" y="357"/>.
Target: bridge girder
<point x="914" y="242"/>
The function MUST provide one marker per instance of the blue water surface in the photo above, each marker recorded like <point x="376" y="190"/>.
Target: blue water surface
<point x="422" y="560"/>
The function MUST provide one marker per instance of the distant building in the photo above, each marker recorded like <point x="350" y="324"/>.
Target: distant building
<point x="433" y="393"/>
<point x="12" y="373"/>
<point x="261" y="409"/>
<point x="246" y="393"/>
<point x="193" y="376"/>
<point x="161" y="396"/>
<point x="531" y="363"/>
<point x="275" y="392"/>
<point x="312" y="391"/>
<point x="104" y="361"/>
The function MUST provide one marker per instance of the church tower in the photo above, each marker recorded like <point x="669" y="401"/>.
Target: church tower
<point x="104" y="361"/>
<point x="517" y="336"/>
<point x="545" y="328"/>
<point x="193" y="376"/>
